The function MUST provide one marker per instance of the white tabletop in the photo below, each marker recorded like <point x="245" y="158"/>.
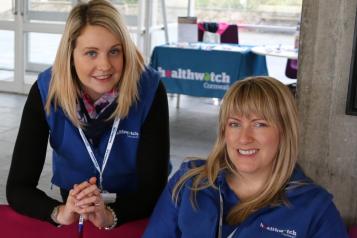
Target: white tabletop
<point x="286" y="51"/>
<point x="209" y="46"/>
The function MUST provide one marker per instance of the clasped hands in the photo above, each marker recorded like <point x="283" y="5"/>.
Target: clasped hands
<point x="85" y="199"/>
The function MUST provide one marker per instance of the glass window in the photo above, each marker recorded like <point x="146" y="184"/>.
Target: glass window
<point x="6" y="11"/>
<point x="50" y="5"/>
<point x="127" y="7"/>
<point x="267" y="12"/>
<point x="37" y="42"/>
<point x="174" y="9"/>
<point x="48" y="10"/>
<point x="7" y="55"/>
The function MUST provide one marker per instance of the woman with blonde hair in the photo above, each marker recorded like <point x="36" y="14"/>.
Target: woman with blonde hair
<point x="250" y="184"/>
<point x="106" y="117"/>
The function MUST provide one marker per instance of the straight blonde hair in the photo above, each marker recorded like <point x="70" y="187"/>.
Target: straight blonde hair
<point x="65" y="85"/>
<point x="270" y="99"/>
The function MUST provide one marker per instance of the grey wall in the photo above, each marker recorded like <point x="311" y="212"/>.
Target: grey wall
<point x="328" y="143"/>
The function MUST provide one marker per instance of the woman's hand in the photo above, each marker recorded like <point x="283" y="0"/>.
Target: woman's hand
<point x="67" y="213"/>
<point x="91" y="205"/>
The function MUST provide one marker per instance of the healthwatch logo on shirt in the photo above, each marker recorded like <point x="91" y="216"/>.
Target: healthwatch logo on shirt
<point x="129" y="134"/>
<point x="284" y="232"/>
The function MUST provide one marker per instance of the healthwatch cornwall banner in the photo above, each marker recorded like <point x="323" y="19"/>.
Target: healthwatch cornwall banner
<point x="204" y="73"/>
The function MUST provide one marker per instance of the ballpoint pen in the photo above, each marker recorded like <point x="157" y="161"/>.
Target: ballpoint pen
<point x="80" y="226"/>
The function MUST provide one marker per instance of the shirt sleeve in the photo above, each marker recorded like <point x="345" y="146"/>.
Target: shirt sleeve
<point x="28" y="160"/>
<point x="152" y="163"/>
<point x="330" y="225"/>
<point x="164" y="219"/>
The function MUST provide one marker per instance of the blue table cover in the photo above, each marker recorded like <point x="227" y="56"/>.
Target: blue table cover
<point x="204" y="72"/>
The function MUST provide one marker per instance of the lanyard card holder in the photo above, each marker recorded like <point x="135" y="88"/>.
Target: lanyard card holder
<point x="108" y="197"/>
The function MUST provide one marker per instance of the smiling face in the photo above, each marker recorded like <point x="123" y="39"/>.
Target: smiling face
<point x="98" y="60"/>
<point x="252" y="144"/>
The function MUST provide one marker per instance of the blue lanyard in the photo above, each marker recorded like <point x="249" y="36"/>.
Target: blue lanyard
<point x="107" y="151"/>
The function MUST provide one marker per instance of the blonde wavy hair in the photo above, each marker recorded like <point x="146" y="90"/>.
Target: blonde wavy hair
<point x="65" y="86"/>
<point x="270" y="99"/>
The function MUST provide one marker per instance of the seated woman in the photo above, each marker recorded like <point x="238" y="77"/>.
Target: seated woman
<point x="105" y="116"/>
<point x="250" y="185"/>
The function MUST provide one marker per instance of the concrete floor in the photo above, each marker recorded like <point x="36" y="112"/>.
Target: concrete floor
<point x="192" y="131"/>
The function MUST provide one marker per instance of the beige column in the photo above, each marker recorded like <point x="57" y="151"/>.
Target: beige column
<point x="328" y="146"/>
